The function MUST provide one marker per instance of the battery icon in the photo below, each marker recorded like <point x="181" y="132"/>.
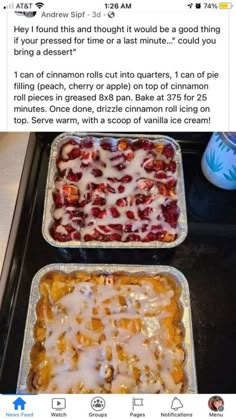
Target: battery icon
<point x="225" y="5"/>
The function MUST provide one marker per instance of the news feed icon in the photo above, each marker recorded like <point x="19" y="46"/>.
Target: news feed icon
<point x="19" y="404"/>
<point x="216" y="404"/>
<point x="136" y="402"/>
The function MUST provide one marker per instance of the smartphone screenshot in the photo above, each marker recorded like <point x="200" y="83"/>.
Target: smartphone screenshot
<point x="117" y="209"/>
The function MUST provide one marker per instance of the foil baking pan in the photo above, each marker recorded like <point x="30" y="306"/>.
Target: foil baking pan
<point x="190" y="369"/>
<point x="49" y="204"/>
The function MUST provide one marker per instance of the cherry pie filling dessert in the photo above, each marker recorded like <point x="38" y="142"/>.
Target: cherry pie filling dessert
<point x="115" y="190"/>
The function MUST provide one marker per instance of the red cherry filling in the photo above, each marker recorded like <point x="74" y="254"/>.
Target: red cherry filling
<point x="108" y="146"/>
<point x="121" y="188"/>
<point x="149" y="165"/>
<point x="68" y="195"/>
<point x="88" y="237"/>
<point x="95" y="155"/>
<point x="121" y="202"/>
<point x="149" y="199"/>
<point x="114" y="212"/>
<point x="69" y="228"/>
<point x="150" y="237"/>
<point x="128" y="228"/>
<point x="99" y="188"/>
<point x="87" y="143"/>
<point x="99" y="201"/>
<point x="145" y="184"/>
<point x="171" y="213"/>
<point x="97" y="212"/>
<point x="82" y="203"/>
<point x="148" y="144"/>
<point x="61" y="237"/>
<point x="84" y="165"/>
<point x="97" y="172"/>
<point x="126" y="179"/>
<point x="117" y="227"/>
<point x="171" y="184"/>
<point x="115" y="237"/>
<point x="76" y="235"/>
<point x="57" y="198"/>
<point x="136" y="145"/>
<point x="105" y="229"/>
<point x="171" y="166"/>
<point x="159" y="165"/>
<point x="75" y="153"/>
<point x="112" y="179"/>
<point x="162" y="189"/>
<point x="130" y="215"/>
<point x="129" y="156"/>
<point x="133" y="238"/>
<point x="168" y="151"/>
<point x="140" y="199"/>
<point x="160" y="175"/>
<point x="85" y="155"/>
<point x="74" y="177"/>
<point x="110" y="189"/>
<point x="118" y="157"/>
<point x="120" y="167"/>
<point x="145" y="213"/>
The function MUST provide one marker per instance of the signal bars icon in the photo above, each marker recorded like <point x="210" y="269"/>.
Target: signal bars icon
<point x="9" y="6"/>
<point x="39" y="5"/>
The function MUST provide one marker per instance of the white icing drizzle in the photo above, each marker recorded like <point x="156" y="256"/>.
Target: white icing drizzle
<point x="73" y="316"/>
<point x="111" y="178"/>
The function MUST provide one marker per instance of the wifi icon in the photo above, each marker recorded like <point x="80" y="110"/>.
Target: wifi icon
<point x="39" y="5"/>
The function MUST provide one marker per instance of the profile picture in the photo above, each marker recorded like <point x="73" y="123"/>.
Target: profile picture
<point x="216" y="404"/>
<point x="27" y="14"/>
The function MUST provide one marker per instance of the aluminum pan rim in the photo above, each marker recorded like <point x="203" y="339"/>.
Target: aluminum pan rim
<point x="48" y="203"/>
<point x="28" y="342"/>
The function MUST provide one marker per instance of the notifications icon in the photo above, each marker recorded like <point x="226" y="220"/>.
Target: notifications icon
<point x="136" y="402"/>
<point x="176" y="404"/>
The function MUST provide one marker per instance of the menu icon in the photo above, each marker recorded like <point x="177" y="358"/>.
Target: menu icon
<point x="216" y="404"/>
<point x="59" y="404"/>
